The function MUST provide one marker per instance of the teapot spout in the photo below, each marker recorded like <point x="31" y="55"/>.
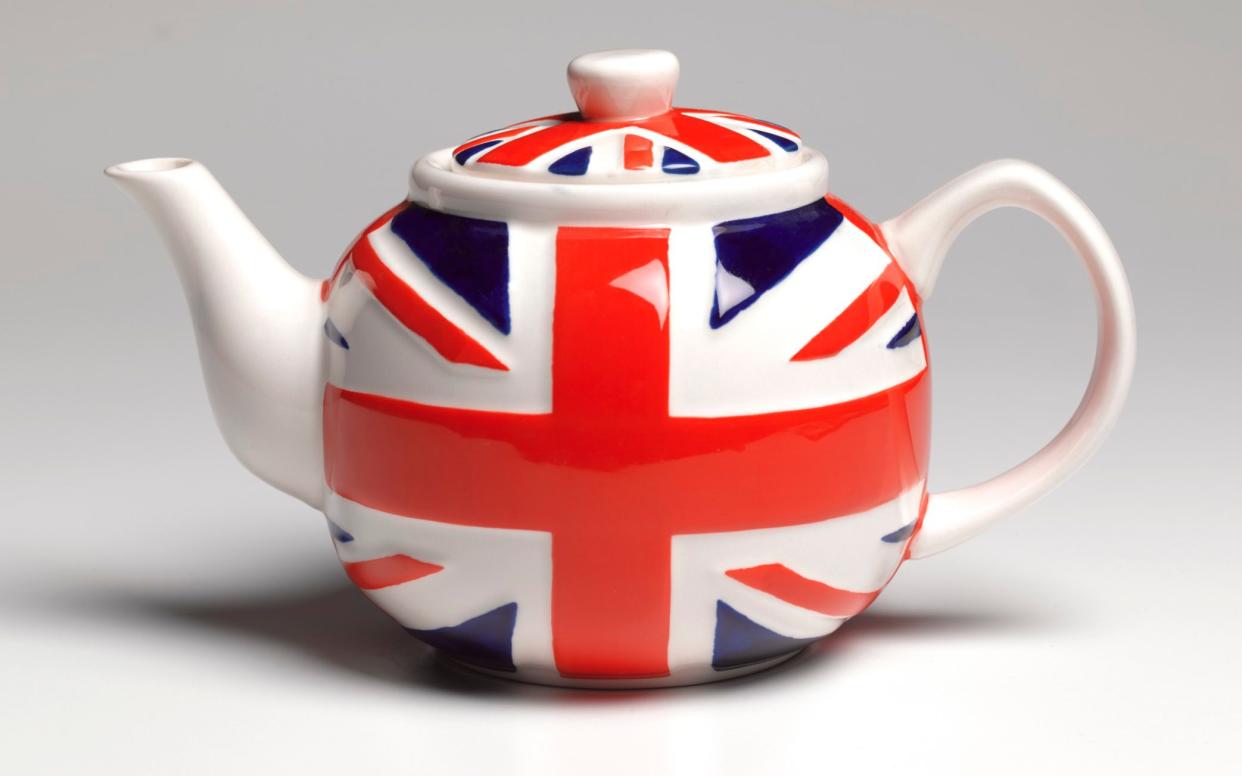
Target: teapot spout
<point x="257" y="321"/>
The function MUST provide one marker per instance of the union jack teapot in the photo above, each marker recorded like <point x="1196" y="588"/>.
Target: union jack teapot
<point x="617" y="397"/>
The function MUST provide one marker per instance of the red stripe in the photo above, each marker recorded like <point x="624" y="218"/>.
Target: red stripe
<point x="610" y="360"/>
<point x="791" y="587"/>
<point x="408" y="307"/>
<point x="857" y="318"/>
<point x="420" y="460"/>
<point x="862" y="222"/>
<point x="498" y="135"/>
<point x="864" y="311"/>
<point x="747" y="119"/>
<point x="525" y="149"/>
<point x="637" y="152"/>
<point x="389" y="571"/>
<point x="325" y="287"/>
<point x="721" y="144"/>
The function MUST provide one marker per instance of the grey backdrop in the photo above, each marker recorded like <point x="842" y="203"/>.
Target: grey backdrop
<point x="161" y="611"/>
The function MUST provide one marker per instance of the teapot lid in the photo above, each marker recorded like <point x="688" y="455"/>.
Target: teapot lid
<point x="626" y="145"/>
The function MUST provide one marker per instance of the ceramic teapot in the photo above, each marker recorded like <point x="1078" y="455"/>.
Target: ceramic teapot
<point x="618" y="397"/>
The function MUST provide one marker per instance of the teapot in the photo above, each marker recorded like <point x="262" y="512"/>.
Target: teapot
<point x="619" y="397"/>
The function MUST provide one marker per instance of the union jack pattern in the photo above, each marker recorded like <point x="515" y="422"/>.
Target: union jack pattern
<point x="682" y="141"/>
<point x="549" y="477"/>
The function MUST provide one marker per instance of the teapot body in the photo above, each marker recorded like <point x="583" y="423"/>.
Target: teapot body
<point x="623" y="455"/>
<point x="617" y="397"/>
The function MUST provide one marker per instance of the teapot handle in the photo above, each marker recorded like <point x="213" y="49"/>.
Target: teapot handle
<point x="919" y="239"/>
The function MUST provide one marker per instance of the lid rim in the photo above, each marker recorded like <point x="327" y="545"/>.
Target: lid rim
<point x="436" y="183"/>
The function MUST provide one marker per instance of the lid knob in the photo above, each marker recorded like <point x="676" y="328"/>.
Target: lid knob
<point x="625" y="84"/>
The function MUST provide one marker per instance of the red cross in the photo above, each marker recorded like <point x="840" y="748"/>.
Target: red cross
<point x="608" y="473"/>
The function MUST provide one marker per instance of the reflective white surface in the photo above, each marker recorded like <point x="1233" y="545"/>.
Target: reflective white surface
<point x="257" y="320"/>
<point x="921" y="236"/>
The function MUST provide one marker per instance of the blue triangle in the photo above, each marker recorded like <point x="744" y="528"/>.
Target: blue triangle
<point x="464" y="156"/>
<point x="574" y="163"/>
<point x="339" y="534"/>
<point x="900" y="535"/>
<point x="334" y="334"/>
<point x="486" y="640"/>
<point x="741" y="641"/>
<point x="785" y="143"/>
<point x="908" y="333"/>
<point x="674" y="162"/>
<point x="764" y="250"/>
<point x="469" y="255"/>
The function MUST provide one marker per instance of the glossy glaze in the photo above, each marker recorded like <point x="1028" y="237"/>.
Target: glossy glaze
<point x="618" y="397"/>
<point x="607" y="473"/>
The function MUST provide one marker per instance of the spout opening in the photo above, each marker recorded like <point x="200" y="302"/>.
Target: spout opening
<point x="140" y="166"/>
